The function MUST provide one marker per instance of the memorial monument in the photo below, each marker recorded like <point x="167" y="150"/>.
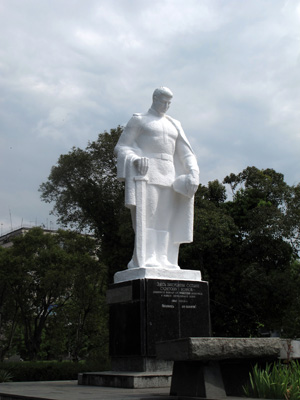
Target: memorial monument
<point x="154" y="300"/>
<point x="159" y="313"/>
<point x="161" y="175"/>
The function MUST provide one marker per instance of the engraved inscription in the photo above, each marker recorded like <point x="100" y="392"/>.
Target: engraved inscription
<point x="179" y="293"/>
<point x="176" y="309"/>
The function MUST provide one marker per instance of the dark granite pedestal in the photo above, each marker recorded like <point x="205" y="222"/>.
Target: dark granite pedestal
<point x="146" y="311"/>
<point x="143" y="312"/>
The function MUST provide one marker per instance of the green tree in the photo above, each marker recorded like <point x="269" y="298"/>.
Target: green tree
<point x="264" y="210"/>
<point x="291" y="319"/>
<point x="41" y="271"/>
<point x="87" y="196"/>
<point x="86" y="312"/>
<point x="245" y="248"/>
<point x="214" y="231"/>
<point x="214" y="251"/>
<point x="9" y="309"/>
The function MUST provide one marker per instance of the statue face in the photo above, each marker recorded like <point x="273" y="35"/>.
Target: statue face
<point x="161" y="104"/>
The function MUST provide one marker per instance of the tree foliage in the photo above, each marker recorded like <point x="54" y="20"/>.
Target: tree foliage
<point x="9" y="309"/>
<point x="46" y="274"/>
<point x="87" y="196"/>
<point x="265" y="245"/>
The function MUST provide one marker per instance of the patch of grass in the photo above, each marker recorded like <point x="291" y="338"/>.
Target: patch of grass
<point x="275" y="381"/>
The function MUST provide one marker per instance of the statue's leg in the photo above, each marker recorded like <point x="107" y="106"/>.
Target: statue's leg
<point x="173" y="250"/>
<point x="133" y="217"/>
<point x="162" y="251"/>
<point x="152" y="205"/>
<point x="160" y="210"/>
<point x="133" y="262"/>
<point x="140" y="244"/>
<point x="151" y="238"/>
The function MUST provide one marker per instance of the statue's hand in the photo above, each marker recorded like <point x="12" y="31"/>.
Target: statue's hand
<point x="192" y="183"/>
<point x="142" y="165"/>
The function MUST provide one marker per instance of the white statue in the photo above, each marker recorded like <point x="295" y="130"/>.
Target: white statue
<point x="161" y="177"/>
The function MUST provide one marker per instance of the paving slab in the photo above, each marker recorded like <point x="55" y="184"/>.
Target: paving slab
<point x="70" y="390"/>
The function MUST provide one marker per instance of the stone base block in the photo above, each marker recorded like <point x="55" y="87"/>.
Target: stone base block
<point x="157" y="273"/>
<point x="130" y="380"/>
<point x="140" y="364"/>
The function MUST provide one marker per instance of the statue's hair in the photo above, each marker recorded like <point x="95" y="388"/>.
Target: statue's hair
<point x="162" y="91"/>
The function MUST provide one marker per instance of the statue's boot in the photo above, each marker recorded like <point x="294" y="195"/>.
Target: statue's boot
<point x="133" y="263"/>
<point x="162" y="250"/>
<point x="151" y="245"/>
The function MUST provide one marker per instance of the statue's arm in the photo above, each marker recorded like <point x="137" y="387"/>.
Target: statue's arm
<point x="127" y="141"/>
<point x="189" y="162"/>
<point x="127" y="150"/>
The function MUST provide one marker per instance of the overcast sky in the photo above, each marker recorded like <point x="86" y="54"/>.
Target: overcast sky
<point x="71" y="69"/>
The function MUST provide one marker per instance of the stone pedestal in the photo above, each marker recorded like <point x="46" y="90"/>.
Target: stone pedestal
<point x="143" y="312"/>
<point x="146" y="311"/>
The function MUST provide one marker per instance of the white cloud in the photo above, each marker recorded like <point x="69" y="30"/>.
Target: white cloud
<point x="72" y="69"/>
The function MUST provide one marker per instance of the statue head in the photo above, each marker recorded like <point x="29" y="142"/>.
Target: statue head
<point x="161" y="99"/>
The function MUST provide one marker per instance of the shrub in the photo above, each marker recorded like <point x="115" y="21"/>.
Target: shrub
<point x="49" y="370"/>
<point x="276" y="381"/>
<point x="5" y="376"/>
